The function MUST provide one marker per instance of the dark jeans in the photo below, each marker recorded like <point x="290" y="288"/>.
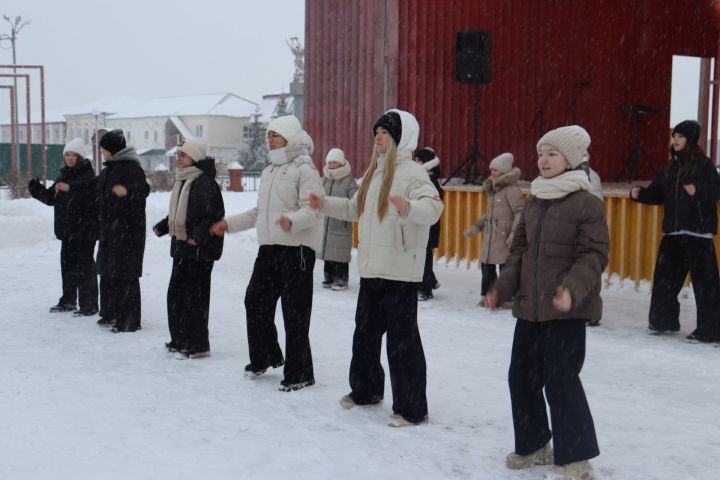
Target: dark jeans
<point x="678" y="255"/>
<point x="336" y="272"/>
<point x="489" y="275"/>
<point x="284" y="273"/>
<point x="551" y="354"/>
<point x="389" y="306"/>
<point x="188" y="304"/>
<point x="79" y="276"/>
<point x="429" y="280"/>
<point x="120" y="301"/>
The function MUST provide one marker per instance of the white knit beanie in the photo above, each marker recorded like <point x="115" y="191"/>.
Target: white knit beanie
<point x="503" y="162"/>
<point x="573" y="141"/>
<point x="287" y="126"/>
<point x="76" y="145"/>
<point x="336" y="155"/>
<point x="195" y="148"/>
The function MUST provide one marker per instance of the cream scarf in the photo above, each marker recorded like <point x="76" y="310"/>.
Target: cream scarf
<point x="288" y="153"/>
<point x="337" y="173"/>
<point x="179" y="200"/>
<point x="560" y="185"/>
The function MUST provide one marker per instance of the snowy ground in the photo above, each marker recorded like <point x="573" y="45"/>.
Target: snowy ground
<point x="79" y="402"/>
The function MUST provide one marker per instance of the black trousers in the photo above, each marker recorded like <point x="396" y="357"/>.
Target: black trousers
<point x="79" y="276"/>
<point x="188" y="304"/>
<point x="678" y="255"/>
<point x="551" y="354"/>
<point x="284" y="273"/>
<point x="120" y="301"/>
<point x="489" y="275"/>
<point x="336" y="272"/>
<point x="429" y="280"/>
<point x="389" y="306"/>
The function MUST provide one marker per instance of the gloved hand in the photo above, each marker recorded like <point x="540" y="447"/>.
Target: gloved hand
<point x="472" y="231"/>
<point x="34" y="186"/>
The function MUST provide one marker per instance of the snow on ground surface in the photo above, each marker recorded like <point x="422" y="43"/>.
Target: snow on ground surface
<point x="80" y="402"/>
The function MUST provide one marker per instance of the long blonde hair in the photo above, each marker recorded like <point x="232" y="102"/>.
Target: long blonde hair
<point x="387" y="179"/>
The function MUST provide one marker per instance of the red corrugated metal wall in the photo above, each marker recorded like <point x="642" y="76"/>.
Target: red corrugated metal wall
<point x="554" y="62"/>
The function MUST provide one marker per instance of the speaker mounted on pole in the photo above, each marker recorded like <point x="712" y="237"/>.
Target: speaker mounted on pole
<point x="472" y="56"/>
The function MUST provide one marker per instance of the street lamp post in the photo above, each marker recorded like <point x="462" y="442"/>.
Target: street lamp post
<point x="15" y="27"/>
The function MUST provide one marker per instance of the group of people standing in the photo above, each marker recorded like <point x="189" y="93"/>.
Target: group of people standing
<point x="551" y="251"/>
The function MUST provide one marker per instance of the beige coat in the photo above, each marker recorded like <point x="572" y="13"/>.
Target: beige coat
<point x="337" y="237"/>
<point x="394" y="248"/>
<point x="560" y="242"/>
<point x="505" y="202"/>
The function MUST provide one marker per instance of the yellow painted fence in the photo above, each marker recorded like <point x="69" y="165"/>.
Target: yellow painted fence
<point x="635" y="232"/>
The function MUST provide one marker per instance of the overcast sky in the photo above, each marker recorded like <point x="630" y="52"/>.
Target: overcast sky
<point x="150" y="48"/>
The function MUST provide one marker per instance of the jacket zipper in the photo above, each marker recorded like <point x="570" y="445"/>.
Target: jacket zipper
<point x="537" y="254"/>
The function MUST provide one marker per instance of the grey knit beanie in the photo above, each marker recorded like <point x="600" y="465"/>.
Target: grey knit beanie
<point x="503" y="162"/>
<point x="573" y="141"/>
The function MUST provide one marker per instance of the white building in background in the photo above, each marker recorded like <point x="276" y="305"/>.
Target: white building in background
<point x="152" y="126"/>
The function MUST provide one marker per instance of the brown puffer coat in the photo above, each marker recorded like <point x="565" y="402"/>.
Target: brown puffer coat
<point x="559" y="242"/>
<point x="505" y="202"/>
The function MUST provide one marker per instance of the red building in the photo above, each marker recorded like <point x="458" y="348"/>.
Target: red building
<point x="554" y="62"/>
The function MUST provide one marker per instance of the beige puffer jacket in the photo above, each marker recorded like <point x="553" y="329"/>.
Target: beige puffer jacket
<point x="505" y="202"/>
<point x="284" y="190"/>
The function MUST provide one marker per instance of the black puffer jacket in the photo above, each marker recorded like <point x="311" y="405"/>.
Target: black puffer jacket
<point x="122" y="219"/>
<point x="205" y="207"/>
<point x="76" y="211"/>
<point x="697" y="213"/>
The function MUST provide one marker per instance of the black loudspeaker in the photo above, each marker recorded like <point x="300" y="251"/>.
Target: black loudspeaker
<point x="472" y="56"/>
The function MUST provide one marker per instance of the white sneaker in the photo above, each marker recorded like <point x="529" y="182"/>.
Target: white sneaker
<point x="581" y="470"/>
<point x="544" y="456"/>
<point x="397" y="420"/>
<point x="347" y="402"/>
<point x="339" y="286"/>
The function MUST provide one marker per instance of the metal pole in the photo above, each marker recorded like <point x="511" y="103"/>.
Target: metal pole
<point x="13" y="130"/>
<point x="28" y="155"/>
<point x="27" y="89"/>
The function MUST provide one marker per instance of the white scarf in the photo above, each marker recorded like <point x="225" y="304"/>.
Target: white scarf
<point x="337" y="173"/>
<point x="179" y="200"/>
<point x="560" y="185"/>
<point x="431" y="164"/>
<point x="288" y="153"/>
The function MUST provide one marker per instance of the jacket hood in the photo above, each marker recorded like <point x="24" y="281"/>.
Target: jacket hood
<point x="126" y="154"/>
<point x="410" y="130"/>
<point x="207" y="165"/>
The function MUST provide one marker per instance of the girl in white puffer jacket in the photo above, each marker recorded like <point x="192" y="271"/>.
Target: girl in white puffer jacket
<point x="394" y="207"/>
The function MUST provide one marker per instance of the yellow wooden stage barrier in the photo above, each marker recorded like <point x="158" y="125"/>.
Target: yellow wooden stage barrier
<point x="635" y="232"/>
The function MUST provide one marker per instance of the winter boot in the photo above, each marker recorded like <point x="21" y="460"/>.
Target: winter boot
<point x="196" y="355"/>
<point x="327" y="283"/>
<point x="481" y="303"/>
<point x="437" y="285"/>
<point x="286" y="386"/>
<point x="106" y="322"/>
<point x="425" y="296"/>
<point x="581" y="470"/>
<point x="347" y="403"/>
<point x="544" y="456"/>
<point x="338" y="286"/>
<point x="62" y="307"/>
<point x="397" y="420"/>
<point x="253" y="371"/>
<point x="84" y="313"/>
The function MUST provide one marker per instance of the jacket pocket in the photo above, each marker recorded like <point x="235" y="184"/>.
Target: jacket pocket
<point x="399" y="238"/>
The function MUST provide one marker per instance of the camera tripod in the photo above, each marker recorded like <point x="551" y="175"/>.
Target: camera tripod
<point x="632" y="167"/>
<point x="470" y="164"/>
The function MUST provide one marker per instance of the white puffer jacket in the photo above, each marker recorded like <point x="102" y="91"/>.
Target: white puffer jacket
<point x="395" y="247"/>
<point x="284" y="190"/>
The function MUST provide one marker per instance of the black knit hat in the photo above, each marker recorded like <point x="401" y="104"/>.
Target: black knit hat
<point x="113" y="141"/>
<point x="425" y="154"/>
<point x="689" y="129"/>
<point x="390" y="121"/>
